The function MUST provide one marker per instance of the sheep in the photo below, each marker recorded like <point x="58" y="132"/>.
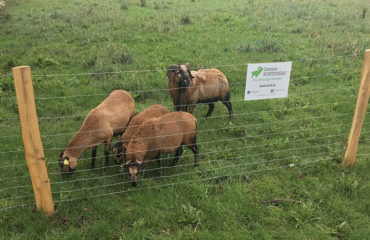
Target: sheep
<point x="134" y="124"/>
<point x="164" y="134"/>
<point x="108" y="118"/>
<point x="188" y="88"/>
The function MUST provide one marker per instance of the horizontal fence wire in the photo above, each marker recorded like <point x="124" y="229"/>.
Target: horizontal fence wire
<point x="132" y="190"/>
<point x="283" y="135"/>
<point x="167" y="89"/>
<point x="225" y="128"/>
<point x="244" y="172"/>
<point x="200" y="154"/>
<point x="196" y="67"/>
<point x="211" y="142"/>
<point x="189" y="173"/>
<point x="41" y="118"/>
<point x="179" y="121"/>
<point x="210" y="117"/>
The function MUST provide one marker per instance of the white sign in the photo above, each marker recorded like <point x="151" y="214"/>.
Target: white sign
<point x="267" y="80"/>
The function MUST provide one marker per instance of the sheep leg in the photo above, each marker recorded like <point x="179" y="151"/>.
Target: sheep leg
<point x="191" y="108"/>
<point x="229" y="107"/>
<point x="194" y="148"/>
<point x="159" y="160"/>
<point x="106" y="152"/>
<point x="177" y="156"/>
<point x="93" y="156"/>
<point x="211" y="106"/>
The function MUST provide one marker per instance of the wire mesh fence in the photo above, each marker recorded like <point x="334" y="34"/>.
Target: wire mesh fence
<point x="307" y="128"/>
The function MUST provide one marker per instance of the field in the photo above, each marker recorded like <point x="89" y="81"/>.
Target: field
<point x="272" y="172"/>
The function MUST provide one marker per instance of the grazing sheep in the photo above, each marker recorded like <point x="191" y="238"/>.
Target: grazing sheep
<point x="164" y="134"/>
<point x="108" y="118"/>
<point x="188" y="88"/>
<point x="151" y="112"/>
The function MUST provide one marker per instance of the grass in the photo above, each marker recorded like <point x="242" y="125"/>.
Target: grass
<point x="273" y="172"/>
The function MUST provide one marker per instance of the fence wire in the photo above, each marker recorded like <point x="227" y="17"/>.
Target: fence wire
<point x="308" y="128"/>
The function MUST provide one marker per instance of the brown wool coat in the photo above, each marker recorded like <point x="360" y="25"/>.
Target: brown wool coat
<point x="164" y="134"/>
<point x="108" y="118"/>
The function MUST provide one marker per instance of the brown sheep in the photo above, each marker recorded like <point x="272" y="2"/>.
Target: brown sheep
<point x="108" y="118"/>
<point x="150" y="112"/>
<point x="188" y="88"/>
<point x="164" y="134"/>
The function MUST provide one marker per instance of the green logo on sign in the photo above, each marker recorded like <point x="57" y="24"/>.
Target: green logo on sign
<point x="257" y="72"/>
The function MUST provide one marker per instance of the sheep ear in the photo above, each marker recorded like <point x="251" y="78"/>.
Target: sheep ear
<point x="174" y="68"/>
<point x="187" y="65"/>
<point x="188" y="69"/>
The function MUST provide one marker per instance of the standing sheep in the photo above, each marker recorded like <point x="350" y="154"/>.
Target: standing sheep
<point x="108" y="118"/>
<point x="188" y="88"/>
<point x="164" y="134"/>
<point x="151" y="112"/>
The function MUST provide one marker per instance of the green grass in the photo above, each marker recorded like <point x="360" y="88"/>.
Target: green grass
<point x="273" y="172"/>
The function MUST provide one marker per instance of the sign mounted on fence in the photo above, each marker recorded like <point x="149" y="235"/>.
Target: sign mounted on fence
<point x="267" y="80"/>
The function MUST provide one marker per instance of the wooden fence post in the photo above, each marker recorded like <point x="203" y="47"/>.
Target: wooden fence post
<point x="349" y="156"/>
<point x="32" y="144"/>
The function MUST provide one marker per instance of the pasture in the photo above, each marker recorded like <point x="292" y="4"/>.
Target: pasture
<point x="272" y="172"/>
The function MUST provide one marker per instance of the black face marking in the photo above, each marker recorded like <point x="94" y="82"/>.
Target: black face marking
<point x="133" y="164"/>
<point x="185" y="78"/>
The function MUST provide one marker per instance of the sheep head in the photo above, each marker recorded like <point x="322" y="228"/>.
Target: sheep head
<point x="133" y="169"/>
<point x="118" y="152"/>
<point x="179" y="78"/>
<point x="181" y="75"/>
<point x="67" y="164"/>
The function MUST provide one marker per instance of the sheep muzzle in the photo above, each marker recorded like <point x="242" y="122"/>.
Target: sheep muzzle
<point x="134" y="171"/>
<point x="64" y="164"/>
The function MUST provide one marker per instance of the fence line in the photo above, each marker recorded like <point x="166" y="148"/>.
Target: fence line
<point x="303" y="165"/>
<point x="230" y="127"/>
<point x="190" y="181"/>
<point x="188" y="155"/>
<point x="339" y="115"/>
<point x="230" y="84"/>
<point x="232" y="101"/>
<point x="156" y="70"/>
<point x="222" y="140"/>
<point x="166" y="89"/>
<point x="201" y="118"/>
<point x="183" y="174"/>
<point x="170" y="107"/>
<point x="309" y="144"/>
<point x="168" y="176"/>
<point x="212" y="161"/>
